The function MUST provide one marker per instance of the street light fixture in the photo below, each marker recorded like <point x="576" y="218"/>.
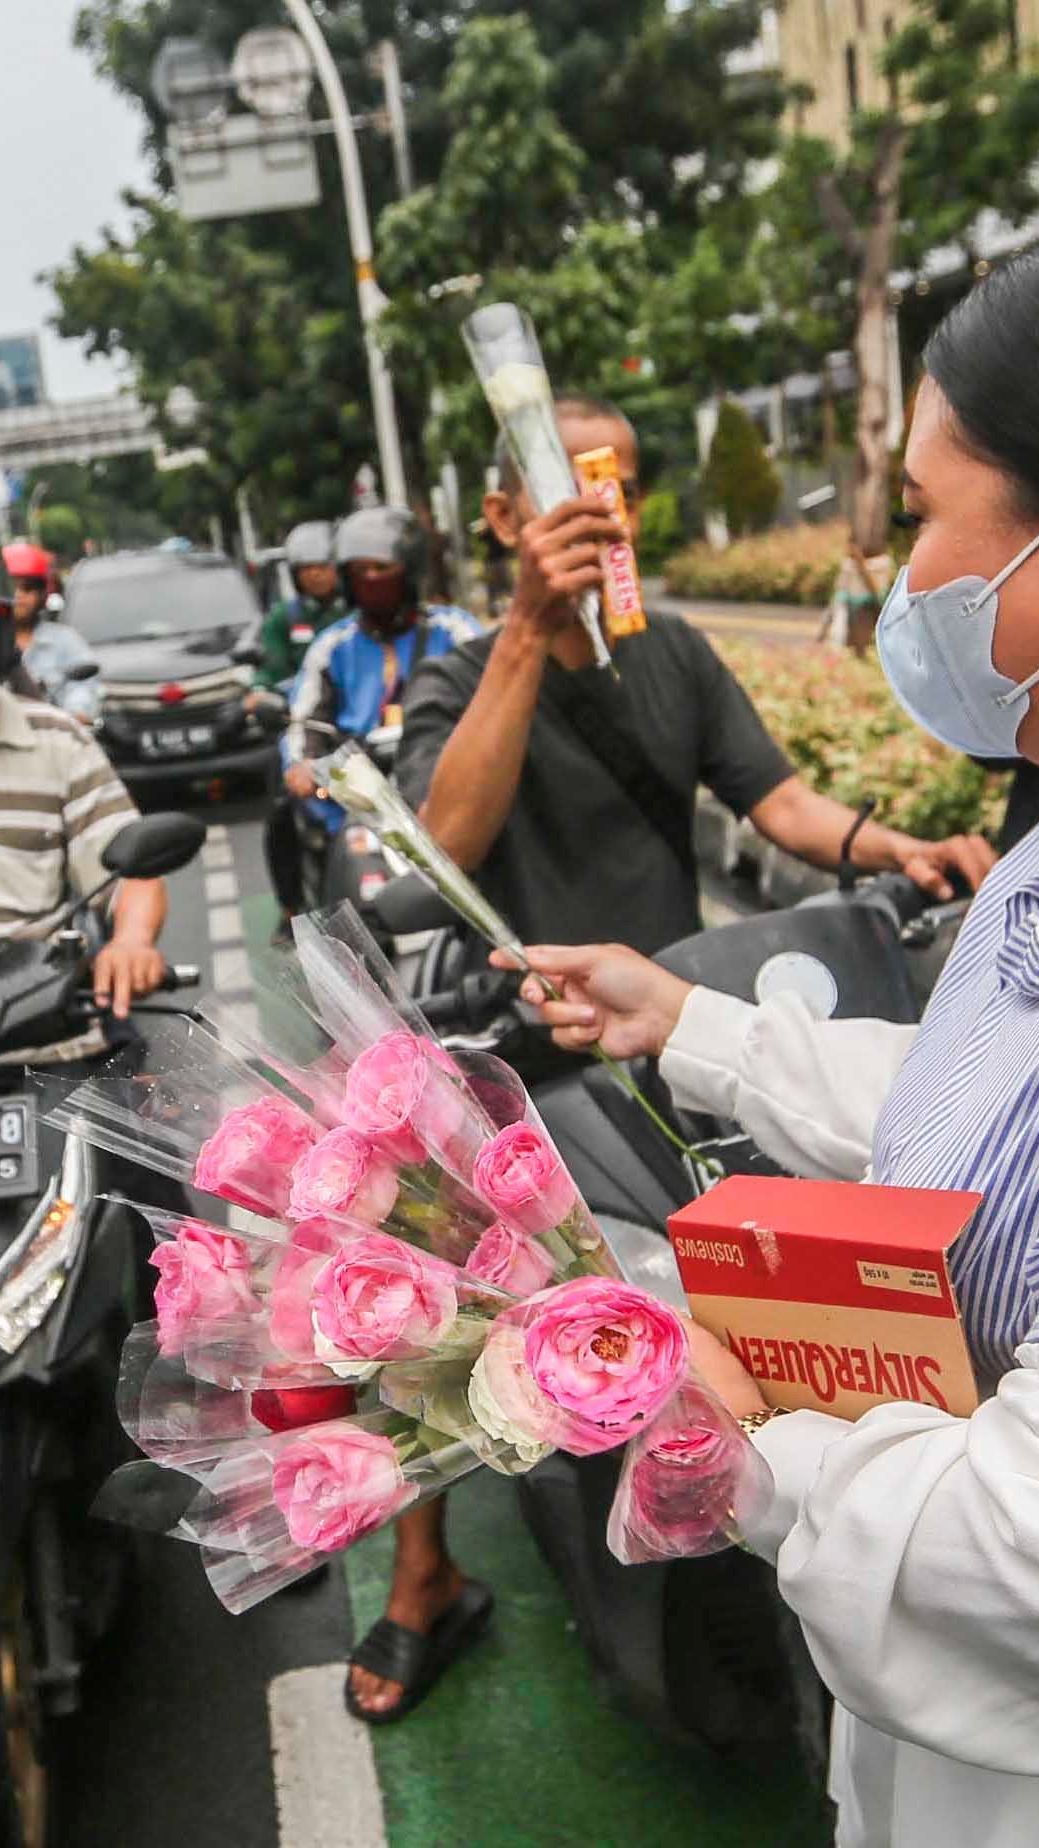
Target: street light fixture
<point x="189" y="82"/>
<point x="272" y="72"/>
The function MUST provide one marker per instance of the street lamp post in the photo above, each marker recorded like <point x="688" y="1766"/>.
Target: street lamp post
<point x="370" y="297"/>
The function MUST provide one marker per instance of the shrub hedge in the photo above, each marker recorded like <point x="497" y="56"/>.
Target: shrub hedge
<point x="790" y="564"/>
<point x="843" y="730"/>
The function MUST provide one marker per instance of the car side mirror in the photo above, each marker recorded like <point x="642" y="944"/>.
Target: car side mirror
<point x="83" y="670"/>
<point x="154" y="845"/>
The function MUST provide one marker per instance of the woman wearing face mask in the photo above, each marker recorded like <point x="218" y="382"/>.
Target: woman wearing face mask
<point x="908" y="1543"/>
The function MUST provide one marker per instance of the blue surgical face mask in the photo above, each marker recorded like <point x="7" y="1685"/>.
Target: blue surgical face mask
<point x="935" y="647"/>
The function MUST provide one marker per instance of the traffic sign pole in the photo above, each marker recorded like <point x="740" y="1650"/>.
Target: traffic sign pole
<point x="370" y="297"/>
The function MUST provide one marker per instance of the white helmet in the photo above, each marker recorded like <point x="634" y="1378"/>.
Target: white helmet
<point x="311" y="543"/>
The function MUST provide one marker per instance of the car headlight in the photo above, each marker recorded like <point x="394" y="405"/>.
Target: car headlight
<point x="36" y="1265"/>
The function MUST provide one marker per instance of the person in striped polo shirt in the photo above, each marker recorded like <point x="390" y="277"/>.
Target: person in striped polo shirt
<point x="60" y="805"/>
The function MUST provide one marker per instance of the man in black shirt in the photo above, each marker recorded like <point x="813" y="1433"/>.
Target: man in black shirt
<point x="570" y="794"/>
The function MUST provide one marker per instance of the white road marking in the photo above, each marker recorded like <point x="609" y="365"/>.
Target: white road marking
<point x="231" y="972"/>
<point x="221" y="887"/>
<point x="217" y="831"/>
<point x="217" y="853"/>
<point x="325" y="1784"/>
<point x="225" y="924"/>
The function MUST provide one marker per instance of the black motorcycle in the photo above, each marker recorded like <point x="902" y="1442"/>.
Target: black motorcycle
<point x="702" y="1648"/>
<point x="70" y="1276"/>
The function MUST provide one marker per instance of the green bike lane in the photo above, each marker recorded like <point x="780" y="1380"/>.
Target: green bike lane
<point x="521" y="1747"/>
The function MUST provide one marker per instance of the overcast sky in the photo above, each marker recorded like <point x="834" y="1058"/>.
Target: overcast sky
<point x="68" y="146"/>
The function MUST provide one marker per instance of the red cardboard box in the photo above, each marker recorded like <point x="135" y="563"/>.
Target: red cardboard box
<point x="834" y="1294"/>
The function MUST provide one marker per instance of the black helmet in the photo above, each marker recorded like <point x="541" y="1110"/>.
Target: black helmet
<point x="393" y="535"/>
<point x="311" y="543"/>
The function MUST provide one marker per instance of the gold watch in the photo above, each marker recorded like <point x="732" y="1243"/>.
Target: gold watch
<point x="754" y="1420"/>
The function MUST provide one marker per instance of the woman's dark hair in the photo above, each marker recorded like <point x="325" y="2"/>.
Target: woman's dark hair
<point x="984" y="357"/>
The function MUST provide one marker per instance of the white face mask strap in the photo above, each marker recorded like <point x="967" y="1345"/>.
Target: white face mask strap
<point x="998" y="582"/>
<point x="1023" y="686"/>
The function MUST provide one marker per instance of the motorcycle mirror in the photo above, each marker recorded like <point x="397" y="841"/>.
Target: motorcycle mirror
<point x="83" y="670"/>
<point x="154" y="845"/>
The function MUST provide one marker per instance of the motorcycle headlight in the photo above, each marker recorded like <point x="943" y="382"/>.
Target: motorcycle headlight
<point x="36" y="1265"/>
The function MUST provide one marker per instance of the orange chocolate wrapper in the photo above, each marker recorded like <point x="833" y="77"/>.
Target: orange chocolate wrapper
<point x="598" y="473"/>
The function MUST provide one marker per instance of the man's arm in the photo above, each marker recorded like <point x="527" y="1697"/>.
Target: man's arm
<point x="313" y="702"/>
<point x="130" y="963"/>
<point x="475" y="781"/>
<point x="814" y="828"/>
<point x="276" y="665"/>
<point x="477" y="774"/>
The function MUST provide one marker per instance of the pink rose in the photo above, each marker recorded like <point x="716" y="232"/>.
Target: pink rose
<point x="343" y="1175"/>
<point x="380" y="1300"/>
<point x="513" y="1263"/>
<point x="686" y="1484"/>
<point x="384" y="1090"/>
<point x="597" y="1361"/>
<point x="337" y="1484"/>
<point x="203" y="1275"/>
<point x="524" y="1179"/>
<point x="250" y="1157"/>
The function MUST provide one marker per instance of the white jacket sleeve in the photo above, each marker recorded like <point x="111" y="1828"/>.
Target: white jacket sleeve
<point x="908" y="1545"/>
<point x="808" y="1091"/>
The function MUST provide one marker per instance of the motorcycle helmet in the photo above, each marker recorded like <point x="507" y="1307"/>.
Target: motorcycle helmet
<point x="310" y="543"/>
<point x="391" y="534"/>
<point x="24" y="559"/>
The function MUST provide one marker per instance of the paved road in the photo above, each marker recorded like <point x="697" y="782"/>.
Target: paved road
<point x="750" y="622"/>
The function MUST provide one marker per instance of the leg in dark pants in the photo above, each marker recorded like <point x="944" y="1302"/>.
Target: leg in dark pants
<point x="281" y="848"/>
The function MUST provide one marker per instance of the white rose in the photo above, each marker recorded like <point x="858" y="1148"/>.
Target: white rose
<point x="514" y="385"/>
<point x="332" y="1358"/>
<point x="491" y="1418"/>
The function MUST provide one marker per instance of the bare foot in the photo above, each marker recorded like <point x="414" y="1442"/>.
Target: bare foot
<point x="416" y="1601"/>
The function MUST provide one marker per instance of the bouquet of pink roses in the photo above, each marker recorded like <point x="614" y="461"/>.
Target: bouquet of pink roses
<point x="405" y="1228"/>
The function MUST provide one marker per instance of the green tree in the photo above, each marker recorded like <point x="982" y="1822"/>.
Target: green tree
<point x="960" y="135"/>
<point x="570" y="157"/>
<point x="60" y="529"/>
<point x="739" y="480"/>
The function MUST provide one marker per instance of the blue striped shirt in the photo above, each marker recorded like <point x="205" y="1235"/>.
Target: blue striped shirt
<point x="964" y="1109"/>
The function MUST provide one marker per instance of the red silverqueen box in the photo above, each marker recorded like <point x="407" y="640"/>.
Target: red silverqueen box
<point x="834" y="1294"/>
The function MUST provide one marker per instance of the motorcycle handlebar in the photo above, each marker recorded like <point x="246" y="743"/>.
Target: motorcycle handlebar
<point x="180" y="975"/>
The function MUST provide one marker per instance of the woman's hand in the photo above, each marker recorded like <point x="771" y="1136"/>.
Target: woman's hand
<point x="610" y="994"/>
<point x="726" y="1376"/>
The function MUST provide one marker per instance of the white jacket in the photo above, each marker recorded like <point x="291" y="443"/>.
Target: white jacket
<point x="908" y="1543"/>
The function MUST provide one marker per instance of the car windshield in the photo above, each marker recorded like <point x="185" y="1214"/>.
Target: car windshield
<point x="107" y="604"/>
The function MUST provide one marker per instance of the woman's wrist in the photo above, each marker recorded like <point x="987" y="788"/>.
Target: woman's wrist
<point x="668" y="1010"/>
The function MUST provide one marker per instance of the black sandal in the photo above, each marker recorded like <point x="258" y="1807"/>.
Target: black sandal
<point x="417" y="1661"/>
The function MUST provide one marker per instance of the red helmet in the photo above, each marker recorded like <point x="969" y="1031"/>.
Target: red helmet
<point x="25" y="560"/>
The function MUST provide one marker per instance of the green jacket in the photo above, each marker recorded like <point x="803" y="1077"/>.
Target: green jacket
<point x="288" y="629"/>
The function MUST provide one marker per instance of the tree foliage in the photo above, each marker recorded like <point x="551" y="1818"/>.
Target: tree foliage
<point x="738" y="479"/>
<point x="568" y="156"/>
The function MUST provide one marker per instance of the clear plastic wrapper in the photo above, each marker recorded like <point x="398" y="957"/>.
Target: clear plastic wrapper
<point x="688" y="1484"/>
<point x="506" y="356"/>
<point x="272" y="1506"/>
<point x="199" y="1114"/>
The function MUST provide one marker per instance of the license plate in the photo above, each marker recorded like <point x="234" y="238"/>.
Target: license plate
<point x="178" y="740"/>
<point x="18" y="1164"/>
